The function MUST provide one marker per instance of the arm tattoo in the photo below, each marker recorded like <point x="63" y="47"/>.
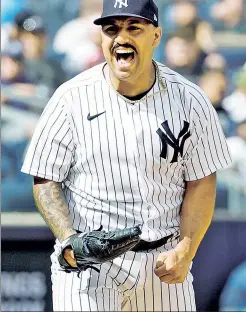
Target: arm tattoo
<point x="53" y="207"/>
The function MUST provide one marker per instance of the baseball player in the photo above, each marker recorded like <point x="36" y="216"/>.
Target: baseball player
<point x="126" y="143"/>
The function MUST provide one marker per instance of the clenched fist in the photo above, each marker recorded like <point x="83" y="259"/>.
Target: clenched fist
<point x="172" y="266"/>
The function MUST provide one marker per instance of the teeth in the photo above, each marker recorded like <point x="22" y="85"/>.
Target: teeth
<point x="124" y="51"/>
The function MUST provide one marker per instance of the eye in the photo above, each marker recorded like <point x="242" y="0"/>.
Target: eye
<point x="134" y="29"/>
<point x="111" y="30"/>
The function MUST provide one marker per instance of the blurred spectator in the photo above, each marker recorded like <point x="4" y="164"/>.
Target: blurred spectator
<point x="229" y="12"/>
<point x="4" y="38"/>
<point x="12" y="69"/>
<point x="214" y="84"/>
<point x="45" y="72"/>
<point x="80" y="39"/>
<point x="16" y="187"/>
<point x="12" y="73"/>
<point x="233" y="297"/>
<point x="235" y="104"/>
<point x="237" y="146"/>
<point x="184" y="55"/>
<point x="185" y="15"/>
<point x="215" y="62"/>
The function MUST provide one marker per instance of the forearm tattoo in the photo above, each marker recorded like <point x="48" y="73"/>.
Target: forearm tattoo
<point x="52" y="205"/>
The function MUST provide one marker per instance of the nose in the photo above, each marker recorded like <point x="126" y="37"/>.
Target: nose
<point x="122" y="37"/>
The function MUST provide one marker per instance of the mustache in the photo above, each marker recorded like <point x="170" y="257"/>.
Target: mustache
<point x="126" y="46"/>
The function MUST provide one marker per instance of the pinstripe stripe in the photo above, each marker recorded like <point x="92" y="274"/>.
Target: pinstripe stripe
<point x="190" y="298"/>
<point x="170" y="111"/>
<point x="130" y="113"/>
<point x="84" y="138"/>
<point x="101" y="155"/>
<point x="45" y="144"/>
<point x="153" y="163"/>
<point x="126" y="157"/>
<point x="117" y="156"/>
<point x="152" y="284"/>
<point x="160" y="225"/>
<point x="83" y="132"/>
<point x="146" y="280"/>
<point x="61" y="297"/>
<point x="95" y="165"/>
<point x="82" y="186"/>
<point x="72" y="294"/>
<point x="103" y="299"/>
<point x="167" y="214"/>
<point x="138" y="156"/>
<point x="37" y="142"/>
<point x="184" y="297"/>
<point x="110" y="162"/>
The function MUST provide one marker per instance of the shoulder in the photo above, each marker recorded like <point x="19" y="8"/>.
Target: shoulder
<point x="86" y="78"/>
<point x="63" y="100"/>
<point x="173" y="77"/>
<point x="194" y="95"/>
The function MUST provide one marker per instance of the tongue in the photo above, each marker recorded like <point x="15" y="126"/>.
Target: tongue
<point x="124" y="60"/>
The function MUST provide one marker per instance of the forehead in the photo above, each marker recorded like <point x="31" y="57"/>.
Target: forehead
<point x="125" y="20"/>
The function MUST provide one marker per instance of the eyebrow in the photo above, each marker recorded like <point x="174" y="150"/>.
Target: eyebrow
<point x="130" y="22"/>
<point x="135" y="21"/>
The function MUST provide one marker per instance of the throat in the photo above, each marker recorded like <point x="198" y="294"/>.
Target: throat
<point x="136" y="88"/>
<point x="139" y="96"/>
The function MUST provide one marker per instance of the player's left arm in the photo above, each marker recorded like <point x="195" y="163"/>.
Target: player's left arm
<point x="196" y="215"/>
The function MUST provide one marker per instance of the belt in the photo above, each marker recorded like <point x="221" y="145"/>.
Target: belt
<point x="143" y="245"/>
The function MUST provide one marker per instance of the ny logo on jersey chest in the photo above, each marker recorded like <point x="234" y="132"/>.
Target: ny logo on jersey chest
<point x="121" y="3"/>
<point x="168" y="138"/>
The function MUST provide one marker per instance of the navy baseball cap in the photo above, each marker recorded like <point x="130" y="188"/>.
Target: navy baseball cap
<point x="30" y="22"/>
<point x="145" y="9"/>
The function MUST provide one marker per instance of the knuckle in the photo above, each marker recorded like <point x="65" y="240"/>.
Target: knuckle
<point x="157" y="273"/>
<point x="165" y="279"/>
<point x="172" y="272"/>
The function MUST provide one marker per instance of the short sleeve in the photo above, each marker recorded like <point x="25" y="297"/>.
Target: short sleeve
<point x="208" y="151"/>
<point x="50" y="152"/>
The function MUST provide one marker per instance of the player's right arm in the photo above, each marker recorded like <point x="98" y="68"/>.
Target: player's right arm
<point x="53" y="207"/>
<point x="49" y="157"/>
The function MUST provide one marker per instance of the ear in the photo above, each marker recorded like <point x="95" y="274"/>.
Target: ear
<point x="158" y="35"/>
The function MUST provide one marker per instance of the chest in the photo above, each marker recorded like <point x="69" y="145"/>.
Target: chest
<point x="153" y="132"/>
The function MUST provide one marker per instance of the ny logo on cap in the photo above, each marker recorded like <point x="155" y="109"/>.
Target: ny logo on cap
<point x="121" y="3"/>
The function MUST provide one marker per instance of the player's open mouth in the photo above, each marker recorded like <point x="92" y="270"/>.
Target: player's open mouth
<point x="125" y="57"/>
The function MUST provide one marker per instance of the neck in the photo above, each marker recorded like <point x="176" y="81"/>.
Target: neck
<point x="136" y="86"/>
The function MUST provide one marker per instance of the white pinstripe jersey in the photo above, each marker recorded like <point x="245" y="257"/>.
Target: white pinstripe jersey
<point x="119" y="169"/>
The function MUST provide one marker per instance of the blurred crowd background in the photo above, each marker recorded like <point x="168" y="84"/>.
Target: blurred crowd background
<point x="45" y="43"/>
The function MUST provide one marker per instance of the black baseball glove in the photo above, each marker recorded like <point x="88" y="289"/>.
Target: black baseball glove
<point x="98" y="246"/>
